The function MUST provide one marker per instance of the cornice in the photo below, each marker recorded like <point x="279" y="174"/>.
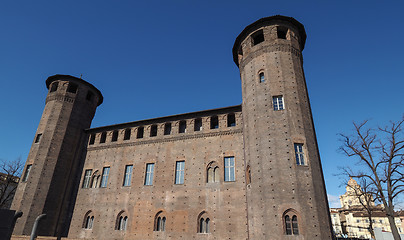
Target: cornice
<point x="60" y="98"/>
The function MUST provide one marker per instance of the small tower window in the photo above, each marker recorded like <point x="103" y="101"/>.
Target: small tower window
<point x="231" y="120"/>
<point x="38" y="137"/>
<point x="114" y="136"/>
<point x="89" y="96"/>
<point x="198" y="124"/>
<point x="54" y="86"/>
<point x="281" y="32"/>
<point x="103" y="137"/>
<point x="262" y="77"/>
<point x="92" y="139"/>
<point x="153" y="131"/>
<point x="299" y="154"/>
<point x="278" y="103"/>
<point x="72" y="88"/>
<point x="257" y="37"/>
<point x="182" y="127"/>
<point x="127" y="134"/>
<point x="140" y="131"/>
<point x="27" y="171"/>
<point x="167" y="129"/>
<point x="214" y="122"/>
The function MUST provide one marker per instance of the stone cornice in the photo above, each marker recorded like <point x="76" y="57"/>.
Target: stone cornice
<point x="168" y="139"/>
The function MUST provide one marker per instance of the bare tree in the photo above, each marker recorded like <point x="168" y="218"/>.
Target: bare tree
<point x="9" y="177"/>
<point x="380" y="154"/>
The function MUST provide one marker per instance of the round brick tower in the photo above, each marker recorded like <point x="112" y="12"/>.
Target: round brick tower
<point x="285" y="186"/>
<point x="48" y="184"/>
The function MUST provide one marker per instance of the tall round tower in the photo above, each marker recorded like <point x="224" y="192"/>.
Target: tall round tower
<point x="48" y="181"/>
<point x="285" y="186"/>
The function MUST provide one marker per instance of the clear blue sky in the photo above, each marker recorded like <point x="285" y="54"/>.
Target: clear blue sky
<point x="157" y="58"/>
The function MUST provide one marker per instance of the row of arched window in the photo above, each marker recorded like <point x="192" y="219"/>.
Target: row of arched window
<point x="159" y="222"/>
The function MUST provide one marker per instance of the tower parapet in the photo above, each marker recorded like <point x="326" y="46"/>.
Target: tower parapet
<point x="285" y="186"/>
<point x="48" y="183"/>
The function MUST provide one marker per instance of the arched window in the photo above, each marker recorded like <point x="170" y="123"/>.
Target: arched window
<point x="95" y="179"/>
<point x="291" y="222"/>
<point x="212" y="172"/>
<point x="88" y="220"/>
<point x="121" y="221"/>
<point x="261" y="77"/>
<point x="203" y="223"/>
<point x="160" y="222"/>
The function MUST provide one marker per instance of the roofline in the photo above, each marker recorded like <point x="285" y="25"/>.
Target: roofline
<point x="55" y="77"/>
<point x="234" y="108"/>
<point x="247" y="30"/>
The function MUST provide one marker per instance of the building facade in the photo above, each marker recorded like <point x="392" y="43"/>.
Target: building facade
<point x="250" y="171"/>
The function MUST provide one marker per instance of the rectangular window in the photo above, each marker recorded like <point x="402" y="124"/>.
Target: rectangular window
<point x="92" y="139"/>
<point x="149" y="174"/>
<point x="198" y="124"/>
<point x="182" y="127"/>
<point x="54" y="86"/>
<point x="179" y="172"/>
<point x="128" y="175"/>
<point x="87" y="178"/>
<point x="167" y="129"/>
<point x="114" y="136"/>
<point x="231" y="120"/>
<point x="278" y="103"/>
<point x="103" y="137"/>
<point x="214" y="122"/>
<point x="257" y="37"/>
<point x="229" y="173"/>
<point x="127" y="133"/>
<point x="89" y="96"/>
<point x="26" y="174"/>
<point x="140" y="131"/>
<point x="104" y="178"/>
<point x="153" y="131"/>
<point x="38" y="137"/>
<point x="299" y="154"/>
<point x="72" y="88"/>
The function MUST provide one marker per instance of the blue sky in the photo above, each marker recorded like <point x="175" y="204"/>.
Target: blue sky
<point x="157" y="58"/>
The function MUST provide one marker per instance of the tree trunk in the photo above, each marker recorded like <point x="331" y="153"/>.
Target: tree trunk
<point x="393" y="226"/>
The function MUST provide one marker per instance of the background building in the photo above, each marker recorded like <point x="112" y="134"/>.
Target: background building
<point x="353" y="221"/>
<point x="250" y="171"/>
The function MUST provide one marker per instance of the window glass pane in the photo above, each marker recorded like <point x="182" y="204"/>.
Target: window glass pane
<point x="149" y="174"/>
<point x="179" y="172"/>
<point x="128" y="175"/>
<point x="26" y="174"/>
<point x="87" y="178"/>
<point x="104" y="178"/>
<point x="229" y="172"/>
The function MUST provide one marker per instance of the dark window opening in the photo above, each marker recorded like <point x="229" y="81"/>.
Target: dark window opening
<point x="153" y="131"/>
<point x="114" y="136"/>
<point x="183" y="127"/>
<point x="281" y="31"/>
<point x="92" y="139"/>
<point x="54" y="86"/>
<point x="89" y="96"/>
<point x="103" y="137"/>
<point x="214" y="122"/>
<point x="231" y="120"/>
<point x="257" y="37"/>
<point x="126" y="136"/>
<point x="140" y="131"/>
<point x="72" y="88"/>
<point x="262" y="77"/>
<point x="26" y="174"/>
<point x="198" y="124"/>
<point x="167" y="129"/>
<point x="38" y="137"/>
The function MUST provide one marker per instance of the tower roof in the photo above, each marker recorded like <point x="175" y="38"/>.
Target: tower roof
<point x="267" y="21"/>
<point x="68" y="77"/>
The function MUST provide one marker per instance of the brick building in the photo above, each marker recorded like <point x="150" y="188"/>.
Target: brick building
<point x="250" y="171"/>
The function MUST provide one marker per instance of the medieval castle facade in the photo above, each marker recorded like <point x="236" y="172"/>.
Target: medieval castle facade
<point x="250" y="171"/>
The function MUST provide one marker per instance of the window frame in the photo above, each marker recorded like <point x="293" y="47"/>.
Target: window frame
<point x="229" y="169"/>
<point x="87" y="178"/>
<point x="179" y="172"/>
<point x="299" y="154"/>
<point x="278" y="103"/>
<point x="127" y="178"/>
<point x="26" y="173"/>
<point x="149" y="174"/>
